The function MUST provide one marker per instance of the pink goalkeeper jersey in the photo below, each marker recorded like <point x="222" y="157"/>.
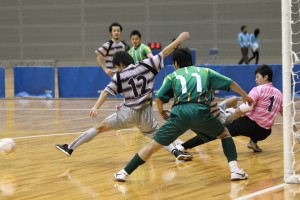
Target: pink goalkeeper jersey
<point x="267" y="103"/>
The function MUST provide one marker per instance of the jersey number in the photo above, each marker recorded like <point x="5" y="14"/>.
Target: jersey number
<point x="183" y="82"/>
<point x="134" y="88"/>
<point x="271" y="103"/>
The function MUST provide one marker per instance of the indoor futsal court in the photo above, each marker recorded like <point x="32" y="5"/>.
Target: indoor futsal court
<point x="65" y="50"/>
<point x="37" y="170"/>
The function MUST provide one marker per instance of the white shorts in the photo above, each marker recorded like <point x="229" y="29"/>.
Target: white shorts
<point x="142" y="118"/>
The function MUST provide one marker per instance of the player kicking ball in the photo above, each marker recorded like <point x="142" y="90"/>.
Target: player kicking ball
<point x="135" y="82"/>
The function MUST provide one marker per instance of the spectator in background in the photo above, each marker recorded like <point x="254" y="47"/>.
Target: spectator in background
<point x="255" y="45"/>
<point x="138" y="51"/>
<point x="243" y="41"/>
<point x="106" y="52"/>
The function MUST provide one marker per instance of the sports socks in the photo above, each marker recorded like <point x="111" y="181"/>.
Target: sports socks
<point x="83" y="138"/>
<point x="170" y="148"/>
<point x="229" y="149"/>
<point x="134" y="163"/>
<point x="195" y="141"/>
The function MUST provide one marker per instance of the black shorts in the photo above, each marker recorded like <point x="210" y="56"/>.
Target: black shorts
<point x="247" y="127"/>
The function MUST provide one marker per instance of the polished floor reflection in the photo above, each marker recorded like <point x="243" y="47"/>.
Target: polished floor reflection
<point x="38" y="171"/>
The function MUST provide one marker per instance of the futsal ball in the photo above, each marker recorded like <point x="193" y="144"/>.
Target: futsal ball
<point x="7" y="146"/>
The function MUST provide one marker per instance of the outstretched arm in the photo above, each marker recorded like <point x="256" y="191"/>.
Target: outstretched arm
<point x="170" y="48"/>
<point x="235" y="87"/>
<point x="102" y="98"/>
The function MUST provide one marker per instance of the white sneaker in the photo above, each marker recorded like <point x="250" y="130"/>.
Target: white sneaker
<point x="178" y="145"/>
<point x="239" y="175"/>
<point x="121" y="175"/>
<point x="252" y="145"/>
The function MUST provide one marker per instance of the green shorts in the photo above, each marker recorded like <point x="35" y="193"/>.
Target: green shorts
<point x="189" y="116"/>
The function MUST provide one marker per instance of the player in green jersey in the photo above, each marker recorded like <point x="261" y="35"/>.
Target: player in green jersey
<point x="138" y="51"/>
<point x="190" y="87"/>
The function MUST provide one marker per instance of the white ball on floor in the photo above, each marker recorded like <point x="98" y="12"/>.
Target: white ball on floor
<point x="7" y="146"/>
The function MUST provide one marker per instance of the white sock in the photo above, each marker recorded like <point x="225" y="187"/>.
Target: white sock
<point x="123" y="171"/>
<point x="170" y="147"/>
<point x="233" y="166"/>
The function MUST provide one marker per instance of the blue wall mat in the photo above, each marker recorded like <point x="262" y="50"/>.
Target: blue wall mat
<point x="37" y="81"/>
<point x="81" y="81"/>
<point x="296" y="70"/>
<point x="243" y="75"/>
<point x="159" y="80"/>
<point x="2" y="82"/>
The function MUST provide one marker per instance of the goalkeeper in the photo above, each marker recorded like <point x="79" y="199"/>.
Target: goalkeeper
<point x="257" y="121"/>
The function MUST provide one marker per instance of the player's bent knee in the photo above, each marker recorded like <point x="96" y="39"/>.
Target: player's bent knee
<point x="102" y="127"/>
<point x="225" y="134"/>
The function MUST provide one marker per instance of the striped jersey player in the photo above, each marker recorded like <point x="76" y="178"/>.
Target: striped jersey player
<point x="135" y="82"/>
<point x="106" y="52"/>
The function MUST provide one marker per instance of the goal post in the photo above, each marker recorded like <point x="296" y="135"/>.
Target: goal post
<point x="291" y="173"/>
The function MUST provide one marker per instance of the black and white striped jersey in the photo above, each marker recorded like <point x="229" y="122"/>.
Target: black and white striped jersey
<point x="137" y="82"/>
<point x="112" y="48"/>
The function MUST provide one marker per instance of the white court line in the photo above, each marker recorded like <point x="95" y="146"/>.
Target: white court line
<point x="58" y="134"/>
<point x="50" y="135"/>
<point x="50" y="109"/>
<point x="261" y="192"/>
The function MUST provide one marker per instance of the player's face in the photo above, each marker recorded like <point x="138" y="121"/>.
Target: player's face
<point x="259" y="79"/>
<point x="135" y="40"/>
<point x="116" y="32"/>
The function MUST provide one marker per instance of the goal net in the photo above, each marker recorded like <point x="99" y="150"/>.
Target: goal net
<point x="291" y="89"/>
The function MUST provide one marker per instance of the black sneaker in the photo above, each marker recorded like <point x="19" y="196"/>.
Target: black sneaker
<point x="64" y="148"/>
<point x="185" y="156"/>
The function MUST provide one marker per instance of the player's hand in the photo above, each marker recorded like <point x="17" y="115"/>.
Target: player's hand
<point x="183" y="36"/>
<point x="248" y="99"/>
<point x="165" y="114"/>
<point x="94" y="112"/>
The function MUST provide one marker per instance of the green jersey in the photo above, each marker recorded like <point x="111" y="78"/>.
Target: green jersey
<point x="192" y="85"/>
<point x="139" y="53"/>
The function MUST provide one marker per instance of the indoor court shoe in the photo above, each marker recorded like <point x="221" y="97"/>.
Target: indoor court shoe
<point x="121" y="175"/>
<point x="178" y="145"/>
<point x="252" y="145"/>
<point x="64" y="148"/>
<point x="239" y="175"/>
<point x="184" y="156"/>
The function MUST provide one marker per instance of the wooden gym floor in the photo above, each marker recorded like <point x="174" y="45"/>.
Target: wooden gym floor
<point x="37" y="171"/>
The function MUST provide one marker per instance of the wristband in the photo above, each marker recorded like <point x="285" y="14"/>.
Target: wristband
<point x="245" y="107"/>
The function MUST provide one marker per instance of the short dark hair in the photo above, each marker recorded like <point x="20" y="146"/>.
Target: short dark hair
<point x="256" y="32"/>
<point x="265" y="70"/>
<point x="115" y="24"/>
<point x="183" y="57"/>
<point x="242" y="28"/>
<point x="122" y="57"/>
<point x="136" y="32"/>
